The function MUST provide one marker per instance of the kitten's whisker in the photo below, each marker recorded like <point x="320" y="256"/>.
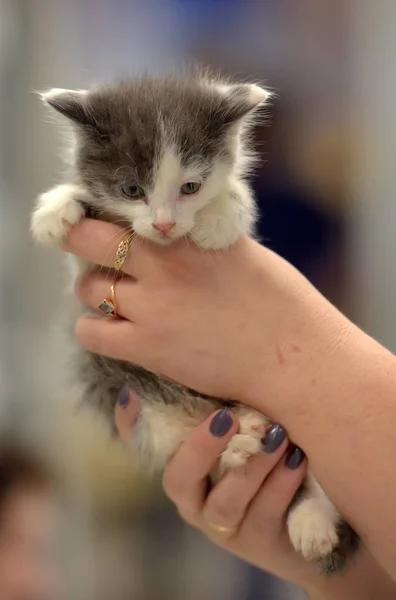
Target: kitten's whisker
<point x="130" y="158"/>
<point x="136" y="241"/>
<point x="119" y="169"/>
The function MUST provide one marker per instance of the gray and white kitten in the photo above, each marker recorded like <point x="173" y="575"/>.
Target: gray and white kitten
<point x="169" y="157"/>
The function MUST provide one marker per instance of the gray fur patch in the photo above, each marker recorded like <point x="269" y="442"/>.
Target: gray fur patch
<point x="124" y="127"/>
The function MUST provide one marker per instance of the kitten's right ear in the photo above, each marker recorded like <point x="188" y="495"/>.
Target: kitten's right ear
<point x="70" y="103"/>
<point x="242" y="100"/>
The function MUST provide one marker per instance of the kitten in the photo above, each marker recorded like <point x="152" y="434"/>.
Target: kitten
<point x="170" y="157"/>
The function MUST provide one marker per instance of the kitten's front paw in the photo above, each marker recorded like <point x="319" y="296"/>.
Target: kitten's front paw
<point x="246" y="442"/>
<point x="312" y="532"/>
<point x="216" y="235"/>
<point x="57" y="211"/>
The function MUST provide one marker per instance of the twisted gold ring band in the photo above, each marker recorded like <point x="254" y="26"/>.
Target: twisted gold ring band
<point x="122" y="252"/>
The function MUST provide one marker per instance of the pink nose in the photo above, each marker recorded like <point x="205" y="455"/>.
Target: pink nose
<point x="163" y="228"/>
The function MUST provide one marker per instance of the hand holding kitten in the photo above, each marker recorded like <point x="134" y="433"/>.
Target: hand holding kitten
<point x="250" y="505"/>
<point x="185" y="313"/>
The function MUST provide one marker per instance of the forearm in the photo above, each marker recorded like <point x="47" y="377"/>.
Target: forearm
<point x="349" y="437"/>
<point x="339" y="405"/>
<point x="365" y="580"/>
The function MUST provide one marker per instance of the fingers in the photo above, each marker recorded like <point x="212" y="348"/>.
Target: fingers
<point x="126" y="413"/>
<point x="253" y="498"/>
<point x="228" y="501"/>
<point x="273" y="499"/>
<point x="97" y="242"/>
<point x="93" y="287"/>
<point x="186" y="475"/>
<point x="106" y="336"/>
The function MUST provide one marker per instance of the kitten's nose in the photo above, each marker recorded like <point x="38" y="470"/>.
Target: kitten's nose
<point x="163" y="228"/>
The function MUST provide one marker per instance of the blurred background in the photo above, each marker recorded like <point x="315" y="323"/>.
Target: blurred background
<point x="326" y="191"/>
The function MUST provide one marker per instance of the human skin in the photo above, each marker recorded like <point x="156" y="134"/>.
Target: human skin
<point x="251" y="504"/>
<point x="244" y="324"/>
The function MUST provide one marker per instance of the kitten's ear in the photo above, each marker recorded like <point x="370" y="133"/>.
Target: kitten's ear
<point x="70" y="103"/>
<point x="243" y="99"/>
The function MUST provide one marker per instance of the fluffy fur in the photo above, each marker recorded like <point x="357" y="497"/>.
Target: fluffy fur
<point x="149" y="137"/>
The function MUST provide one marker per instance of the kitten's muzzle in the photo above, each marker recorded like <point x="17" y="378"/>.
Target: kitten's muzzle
<point x="163" y="228"/>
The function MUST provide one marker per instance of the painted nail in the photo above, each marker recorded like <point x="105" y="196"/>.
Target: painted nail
<point x="123" y="398"/>
<point x="221" y="423"/>
<point x="273" y="438"/>
<point x="294" y="457"/>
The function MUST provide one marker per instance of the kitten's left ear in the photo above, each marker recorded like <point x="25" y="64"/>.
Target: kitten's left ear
<point x="70" y="103"/>
<point x="243" y="99"/>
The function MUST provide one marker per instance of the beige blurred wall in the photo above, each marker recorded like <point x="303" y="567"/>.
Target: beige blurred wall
<point x="373" y="182"/>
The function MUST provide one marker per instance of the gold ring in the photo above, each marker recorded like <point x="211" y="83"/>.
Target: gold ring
<point x="220" y="528"/>
<point x="122" y="251"/>
<point x="108" y="306"/>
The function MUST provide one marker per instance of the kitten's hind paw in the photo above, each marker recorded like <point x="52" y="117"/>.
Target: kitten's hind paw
<point x="312" y="531"/>
<point x="246" y="442"/>
<point x="57" y="211"/>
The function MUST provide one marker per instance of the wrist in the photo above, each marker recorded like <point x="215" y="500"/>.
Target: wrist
<point x="294" y="353"/>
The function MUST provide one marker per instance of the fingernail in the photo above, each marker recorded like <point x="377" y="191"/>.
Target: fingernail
<point x="123" y="398"/>
<point x="273" y="438"/>
<point x="294" y="457"/>
<point x="221" y="423"/>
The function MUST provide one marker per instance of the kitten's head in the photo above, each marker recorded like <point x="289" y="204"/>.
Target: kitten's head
<point x="153" y="152"/>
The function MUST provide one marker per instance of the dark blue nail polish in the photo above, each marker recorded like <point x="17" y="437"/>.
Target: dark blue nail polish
<point x="273" y="438"/>
<point x="123" y="398"/>
<point x="221" y="423"/>
<point x="294" y="457"/>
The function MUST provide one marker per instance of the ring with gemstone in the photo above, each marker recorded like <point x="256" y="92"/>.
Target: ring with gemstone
<point x="108" y="306"/>
<point x="122" y="251"/>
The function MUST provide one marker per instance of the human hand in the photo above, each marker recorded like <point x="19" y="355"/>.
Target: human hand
<point x="249" y="503"/>
<point x="213" y="322"/>
<point x="244" y="513"/>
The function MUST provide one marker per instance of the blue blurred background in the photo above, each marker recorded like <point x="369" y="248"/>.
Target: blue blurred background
<point x="326" y="194"/>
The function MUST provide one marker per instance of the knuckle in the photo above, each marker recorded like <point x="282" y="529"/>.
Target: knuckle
<point x="83" y="287"/>
<point x="89" y="337"/>
<point x="190" y="517"/>
<point x="82" y="332"/>
<point x="224" y="509"/>
<point x="262" y="522"/>
<point x="177" y="271"/>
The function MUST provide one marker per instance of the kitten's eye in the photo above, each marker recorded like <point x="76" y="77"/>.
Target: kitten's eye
<point x="133" y="191"/>
<point x="191" y="187"/>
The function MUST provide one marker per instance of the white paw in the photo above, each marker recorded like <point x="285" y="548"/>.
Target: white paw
<point x="218" y="234"/>
<point x="57" y="211"/>
<point x="246" y="442"/>
<point x="312" y="532"/>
